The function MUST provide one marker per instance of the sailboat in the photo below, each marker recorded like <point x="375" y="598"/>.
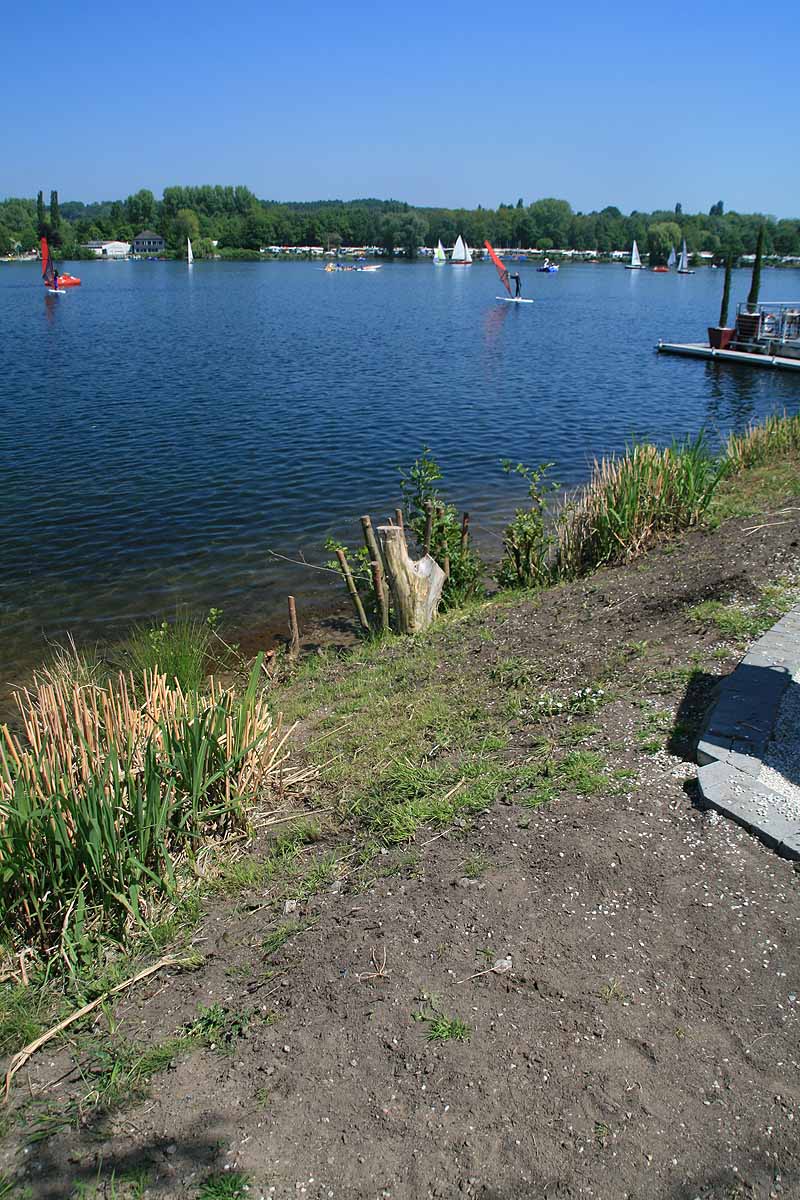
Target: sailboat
<point x="672" y="257"/>
<point x="462" y="255"/>
<point x="189" y="255"/>
<point x="636" y="263"/>
<point x="439" y="256"/>
<point x="683" y="261"/>
<point x="54" y="280"/>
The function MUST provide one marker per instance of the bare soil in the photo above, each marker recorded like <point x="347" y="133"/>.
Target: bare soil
<point x="643" y="1045"/>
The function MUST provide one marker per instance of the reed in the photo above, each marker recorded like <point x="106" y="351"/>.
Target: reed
<point x="633" y="501"/>
<point x="774" y="438"/>
<point x="104" y="793"/>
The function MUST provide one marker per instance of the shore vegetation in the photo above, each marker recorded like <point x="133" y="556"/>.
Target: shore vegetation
<point x="126" y="803"/>
<point x="233" y="222"/>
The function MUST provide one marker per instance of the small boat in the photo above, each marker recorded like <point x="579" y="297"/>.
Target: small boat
<point x="51" y="273"/>
<point x="672" y="257"/>
<point x="548" y="268"/>
<point x="683" y="261"/>
<point x="661" y="270"/>
<point x="636" y="263"/>
<point x="439" y="256"/>
<point x="462" y="255"/>
<point x="189" y="255"/>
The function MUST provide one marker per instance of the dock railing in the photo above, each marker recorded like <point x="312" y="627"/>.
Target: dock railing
<point x="773" y="321"/>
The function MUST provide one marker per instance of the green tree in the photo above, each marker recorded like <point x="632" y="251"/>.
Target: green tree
<point x="726" y="293"/>
<point x="755" y="282"/>
<point x="40" y="218"/>
<point x="55" y="220"/>
<point x="141" y="209"/>
<point x="661" y="238"/>
<point x="184" y="225"/>
<point x="410" y="232"/>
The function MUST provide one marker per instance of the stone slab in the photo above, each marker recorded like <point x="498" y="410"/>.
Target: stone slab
<point x="738" y="730"/>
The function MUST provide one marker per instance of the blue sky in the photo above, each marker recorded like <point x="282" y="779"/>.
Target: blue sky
<point x="443" y="103"/>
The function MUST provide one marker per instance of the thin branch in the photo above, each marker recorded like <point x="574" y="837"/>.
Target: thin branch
<point x="301" y="562"/>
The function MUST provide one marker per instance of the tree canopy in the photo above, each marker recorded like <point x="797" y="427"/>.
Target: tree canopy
<point x="236" y="219"/>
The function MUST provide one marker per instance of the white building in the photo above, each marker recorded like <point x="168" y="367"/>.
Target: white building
<point x="109" y="249"/>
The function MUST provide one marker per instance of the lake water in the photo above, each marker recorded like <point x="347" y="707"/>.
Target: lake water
<point x="164" y="429"/>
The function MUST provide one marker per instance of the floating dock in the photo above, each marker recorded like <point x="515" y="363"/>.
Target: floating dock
<point x="703" y="350"/>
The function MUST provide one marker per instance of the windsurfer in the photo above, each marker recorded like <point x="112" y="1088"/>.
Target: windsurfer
<point x="55" y="279"/>
<point x="517" y="284"/>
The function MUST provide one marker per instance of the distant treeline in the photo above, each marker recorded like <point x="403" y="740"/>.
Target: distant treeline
<point x="237" y="220"/>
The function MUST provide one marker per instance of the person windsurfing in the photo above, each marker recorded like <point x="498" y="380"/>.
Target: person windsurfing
<point x="517" y="284"/>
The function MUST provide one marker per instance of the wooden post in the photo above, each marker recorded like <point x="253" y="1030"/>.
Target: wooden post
<point x="294" y="645"/>
<point x="377" y="571"/>
<point x="353" y="590"/>
<point x="464" y="531"/>
<point x="416" y="586"/>
<point x="398" y="516"/>
<point x="426" y="545"/>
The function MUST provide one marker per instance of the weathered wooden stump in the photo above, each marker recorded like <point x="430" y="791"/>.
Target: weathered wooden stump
<point x="416" y="586"/>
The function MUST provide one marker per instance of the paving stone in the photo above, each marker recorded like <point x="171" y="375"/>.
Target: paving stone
<point x="738" y="730"/>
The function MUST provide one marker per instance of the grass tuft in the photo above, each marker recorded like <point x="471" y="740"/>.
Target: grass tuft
<point x="227" y="1185"/>
<point x="633" y="501"/>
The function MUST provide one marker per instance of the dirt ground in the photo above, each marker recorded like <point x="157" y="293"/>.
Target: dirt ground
<point x="644" y="1042"/>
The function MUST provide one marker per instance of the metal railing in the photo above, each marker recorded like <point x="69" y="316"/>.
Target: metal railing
<point x="777" y="320"/>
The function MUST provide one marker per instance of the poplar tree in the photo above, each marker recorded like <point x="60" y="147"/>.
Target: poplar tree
<point x="755" y="283"/>
<point x="55" y="219"/>
<point x="40" y="221"/>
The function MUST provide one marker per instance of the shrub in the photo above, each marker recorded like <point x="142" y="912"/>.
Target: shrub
<point x="448" y="542"/>
<point x="527" y="543"/>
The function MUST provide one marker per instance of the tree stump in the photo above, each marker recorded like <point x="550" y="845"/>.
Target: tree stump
<point x="416" y="586"/>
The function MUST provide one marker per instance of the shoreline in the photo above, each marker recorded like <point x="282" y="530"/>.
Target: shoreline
<point x="573" y="848"/>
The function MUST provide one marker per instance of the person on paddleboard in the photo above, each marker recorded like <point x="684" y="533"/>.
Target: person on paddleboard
<point x="517" y="284"/>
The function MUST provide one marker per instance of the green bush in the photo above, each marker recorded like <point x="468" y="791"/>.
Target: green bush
<point x="423" y="501"/>
<point x="527" y="542"/>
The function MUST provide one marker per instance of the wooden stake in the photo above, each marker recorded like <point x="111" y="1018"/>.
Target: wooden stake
<point x="426" y="545"/>
<point x="377" y="571"/>
<point x="294" y="645"/>
<point x="464" y="531"/>
<point x="398" y="516"/>
<point x="353" y="590"/>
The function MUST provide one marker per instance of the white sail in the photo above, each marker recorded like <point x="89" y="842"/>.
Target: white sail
<point x="467" y="252"/>
<point x="672" y="257"/>
<point x="189" y="255"/>
<point x="683" y="264"/>
<point x="459" y="251"/>
<point x="635" y="258"/>
<point x="439" y="255"/>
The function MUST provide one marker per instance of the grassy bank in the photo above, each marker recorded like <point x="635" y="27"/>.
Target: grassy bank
<point x="129" y="803"/>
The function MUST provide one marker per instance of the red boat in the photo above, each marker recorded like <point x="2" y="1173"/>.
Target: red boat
<point x="662" y="270"/>
<point x="50" y="272"/>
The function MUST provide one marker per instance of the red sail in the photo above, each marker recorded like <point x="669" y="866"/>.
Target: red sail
<point x="47" y="263"/>
<point x="501" y="270"/>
